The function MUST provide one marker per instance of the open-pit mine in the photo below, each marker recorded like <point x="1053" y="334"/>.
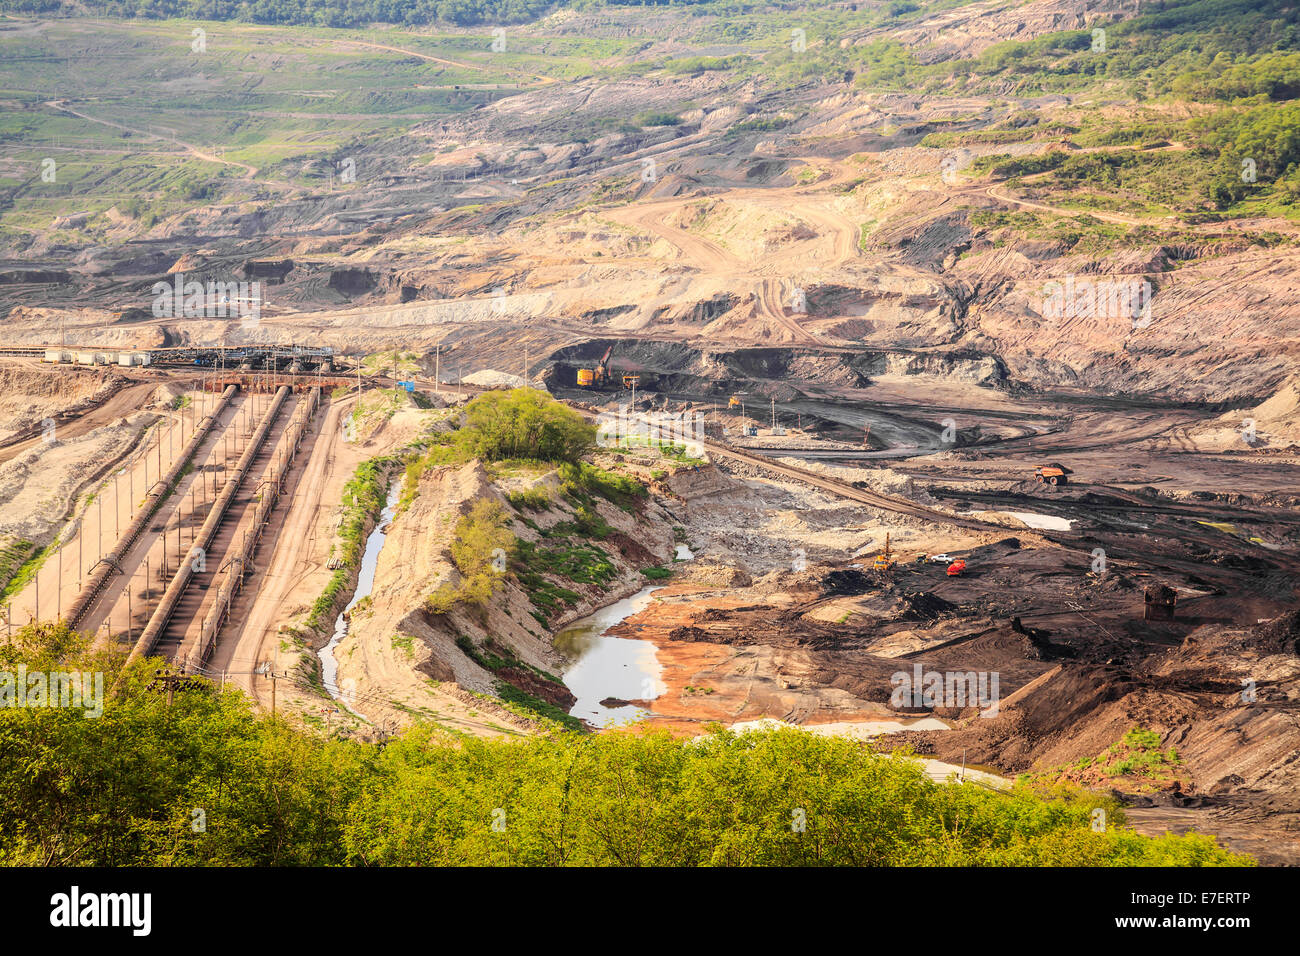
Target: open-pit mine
<point x="914" y="397"/>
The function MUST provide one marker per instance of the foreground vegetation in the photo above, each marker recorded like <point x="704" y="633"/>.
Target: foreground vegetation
<point x="210" y="781"/>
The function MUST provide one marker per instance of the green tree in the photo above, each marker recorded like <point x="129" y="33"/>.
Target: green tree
<point x="524" y="423"/>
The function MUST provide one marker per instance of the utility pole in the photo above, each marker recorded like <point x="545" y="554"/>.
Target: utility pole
<point x="168" y="680"/>
<point x="437" y="370"/>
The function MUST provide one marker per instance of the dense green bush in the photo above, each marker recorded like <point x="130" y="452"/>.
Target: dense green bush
<point x="122" y="789"/>
<point x="524" y="423"/>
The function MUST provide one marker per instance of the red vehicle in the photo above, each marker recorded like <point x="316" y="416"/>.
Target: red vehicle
<point x="956" y="568"/>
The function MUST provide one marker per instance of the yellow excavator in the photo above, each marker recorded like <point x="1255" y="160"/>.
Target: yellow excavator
<point x="885" y="559"/>
<point x="598" y="376"/>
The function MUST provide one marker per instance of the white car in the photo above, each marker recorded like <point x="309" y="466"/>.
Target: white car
<point x="940" y="558"/>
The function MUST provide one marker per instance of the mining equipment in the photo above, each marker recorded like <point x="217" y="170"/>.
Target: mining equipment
<point x="1051" y="474"/>
<point x="956" y="568"/>
<point x="597" y="377"/>
<point x="885" y="559"/>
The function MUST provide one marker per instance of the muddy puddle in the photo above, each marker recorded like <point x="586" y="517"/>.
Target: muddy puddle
<point x="609" y="672"/>
<point x="329" y="665"/>
<point x="1039" y="522"/>
<point x="608" y="668"/>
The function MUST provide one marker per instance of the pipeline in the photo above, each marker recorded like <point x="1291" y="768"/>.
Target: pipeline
<point x="239" y="563"/>
<point x="154" y="498"/>
<point x="171" y="597"/>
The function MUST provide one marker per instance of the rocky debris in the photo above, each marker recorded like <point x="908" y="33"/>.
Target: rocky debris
<point x="491" y="378"/>
<point x="712" y="575"/>
<point x="1278" y="636"/>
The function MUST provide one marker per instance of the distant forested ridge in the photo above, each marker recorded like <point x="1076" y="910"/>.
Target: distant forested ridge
<point x="328" y="13"/>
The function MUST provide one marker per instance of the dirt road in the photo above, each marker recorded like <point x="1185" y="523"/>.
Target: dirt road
<point x="297" y="549"/>
<point x="116" y="407"/>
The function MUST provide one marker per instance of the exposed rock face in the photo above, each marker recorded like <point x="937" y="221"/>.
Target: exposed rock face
<point x="352" y="281"/>
<point x="693" y="483"/>
<point x="838" y="231"/>
<point x="273" y="271"/>
<point x="1231" y="741"/>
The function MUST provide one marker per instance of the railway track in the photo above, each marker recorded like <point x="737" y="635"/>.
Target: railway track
<point x="155" y="497"/>
<point x="846" y="490"/>
<point x="161" y="617"/>
<point x="834" y="485"/>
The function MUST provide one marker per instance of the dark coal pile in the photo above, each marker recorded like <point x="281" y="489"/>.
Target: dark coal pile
<point x="924" y="606"/>
<point x="849" y="581"/>
<point x="1280" y="635"/>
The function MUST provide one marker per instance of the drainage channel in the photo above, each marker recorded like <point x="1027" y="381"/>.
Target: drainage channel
<point x="329" y="664"/>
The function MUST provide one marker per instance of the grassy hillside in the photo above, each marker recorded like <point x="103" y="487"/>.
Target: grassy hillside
<point x="1186" y="111"/>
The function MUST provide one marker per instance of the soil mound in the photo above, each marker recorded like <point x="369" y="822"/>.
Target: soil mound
<point x="1280" y="635"/>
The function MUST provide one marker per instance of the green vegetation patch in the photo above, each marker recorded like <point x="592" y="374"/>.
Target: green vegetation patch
<point x="279" y="795"/>
<point x="363" y="499"/>
<point x="480" y="544"/>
